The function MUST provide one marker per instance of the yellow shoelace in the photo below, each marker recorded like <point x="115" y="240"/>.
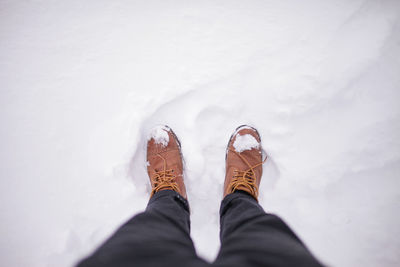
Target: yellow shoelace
<point x="246" y="178"/>
<point x="164" y="179"/>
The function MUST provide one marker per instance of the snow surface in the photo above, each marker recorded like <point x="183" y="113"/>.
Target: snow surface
<point x="83" y="82"/>
<point x="160" y="135"/>
<point x="245" y="142"/>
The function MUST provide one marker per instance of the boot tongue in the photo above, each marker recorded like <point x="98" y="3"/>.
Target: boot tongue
<point x="253" y="157"/>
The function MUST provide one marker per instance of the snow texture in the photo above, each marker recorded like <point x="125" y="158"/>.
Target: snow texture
<point x="84" y="82"/>
<point x="160" y="135"/>
<point x="245" y="142"/>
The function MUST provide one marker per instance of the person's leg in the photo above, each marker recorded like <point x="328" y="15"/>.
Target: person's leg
<point x="251" y="237"/>
<point x="160" y="236"/>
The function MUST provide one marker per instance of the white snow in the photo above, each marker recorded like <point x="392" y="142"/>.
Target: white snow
<point x="160" y="135"/>
<point x="84" y="82"/>
<point x="245" y="142"/>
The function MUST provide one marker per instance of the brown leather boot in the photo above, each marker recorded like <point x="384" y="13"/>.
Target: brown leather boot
<point x="164" y="161"/>
<point x="244" y="161"/>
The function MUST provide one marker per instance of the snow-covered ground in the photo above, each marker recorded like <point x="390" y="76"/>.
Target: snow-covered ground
<point x="82" y="82"/>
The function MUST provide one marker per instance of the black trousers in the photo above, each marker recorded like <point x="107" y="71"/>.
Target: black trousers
<point x="160" y="236"/>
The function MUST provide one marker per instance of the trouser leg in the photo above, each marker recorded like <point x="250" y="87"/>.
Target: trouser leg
<point x="160" y="236"/>
<point x="251" y="237"/>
